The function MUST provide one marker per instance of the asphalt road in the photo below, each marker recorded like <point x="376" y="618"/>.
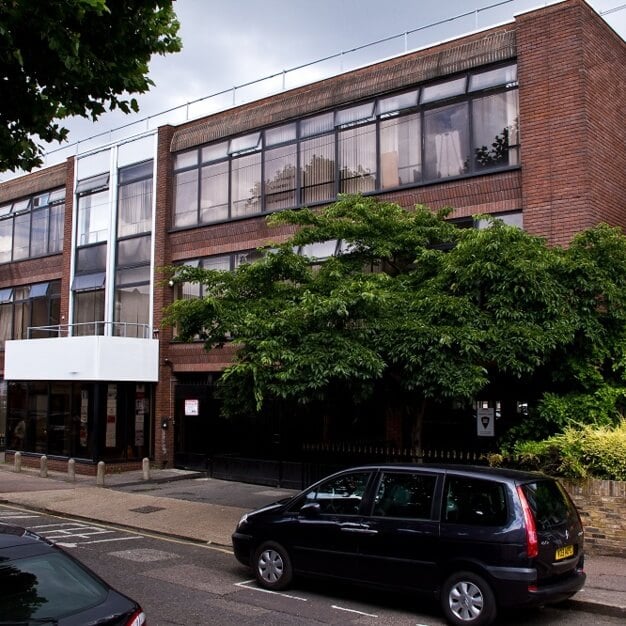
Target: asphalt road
<point x="187" y="584"/>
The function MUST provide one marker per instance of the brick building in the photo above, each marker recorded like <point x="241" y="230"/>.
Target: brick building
<point x="523" y="121"/>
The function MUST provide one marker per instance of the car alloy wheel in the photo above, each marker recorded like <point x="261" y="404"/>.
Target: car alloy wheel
<point x="273" y="566"/>
<point x="468" y="599"/>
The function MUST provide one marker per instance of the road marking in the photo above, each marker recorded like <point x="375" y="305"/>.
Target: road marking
<point x="12" y="516"/>
<point x="341" y="608"/>
<point x="245" y="584"/>
<point x="64" y="544"/>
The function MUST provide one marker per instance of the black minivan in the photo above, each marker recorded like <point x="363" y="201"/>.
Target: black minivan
<point x="479" y="538"/>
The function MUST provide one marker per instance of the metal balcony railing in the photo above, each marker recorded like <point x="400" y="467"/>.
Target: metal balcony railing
<point x="90" y="329"/>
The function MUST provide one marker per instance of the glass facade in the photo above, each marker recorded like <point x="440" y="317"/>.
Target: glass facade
<point x="133" y="251"/>
<point x="105" y="421"/>
<point x="24" y="308"/>
<point x="32" y="227"/>
<point x="464" y="126"/>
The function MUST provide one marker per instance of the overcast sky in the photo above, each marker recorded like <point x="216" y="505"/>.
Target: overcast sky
<point x="229" y="43"/>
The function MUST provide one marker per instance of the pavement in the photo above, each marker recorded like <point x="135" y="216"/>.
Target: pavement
<point x="206" y="510"/>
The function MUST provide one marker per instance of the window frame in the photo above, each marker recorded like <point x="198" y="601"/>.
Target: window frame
<point x="410" y="100"/>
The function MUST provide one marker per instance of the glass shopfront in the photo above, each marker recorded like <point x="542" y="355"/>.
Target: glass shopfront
<point x="95" y="421"/>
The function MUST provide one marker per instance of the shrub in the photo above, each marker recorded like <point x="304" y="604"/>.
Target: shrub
<point x="580" y="451"/>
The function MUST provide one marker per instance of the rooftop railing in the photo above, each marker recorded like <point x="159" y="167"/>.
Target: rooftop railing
<point x="306" y="73"/>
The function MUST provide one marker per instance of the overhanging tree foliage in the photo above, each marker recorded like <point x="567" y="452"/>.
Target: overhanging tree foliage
<point x="413" y="309"/>
<point x="75" y="57"/>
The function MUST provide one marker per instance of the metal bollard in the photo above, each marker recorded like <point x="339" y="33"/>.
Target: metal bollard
<point x="17" y="462"/>
<point x="71" y="469"/>
<point x="43" y="466"/>
<point x="100" y="474"/>
<point x="145" y="466"/>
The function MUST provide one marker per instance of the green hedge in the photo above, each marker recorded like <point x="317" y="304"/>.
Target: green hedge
<point x="580" y="451"/>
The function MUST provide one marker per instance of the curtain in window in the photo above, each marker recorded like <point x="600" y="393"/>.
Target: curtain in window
<point x="186" y="198"/>
<point x="214" y="193"/>
<point x="57" y="216"/>
<point x="446" y="141"/>
<point x="400" y="151"/>
<point x="6" y="322"/>
<point x="280" y="177"/>
<point x="132" y="307"/>
<point x="135" y="208"/>
<point x="89" y="312"/>
<point x="317" y="169"/>
<point x="246" y="185"/>
<point x="357" y="159"/>
<point x="495" y="130"/>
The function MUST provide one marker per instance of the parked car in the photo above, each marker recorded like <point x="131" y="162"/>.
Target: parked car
<point x="478" y="538"/>
<point x="42" y="584"/>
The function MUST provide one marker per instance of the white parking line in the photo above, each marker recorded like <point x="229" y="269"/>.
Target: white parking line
<point x="64" y="544"/>
<point x="13" y="516"/>
<point x="245" y="584"/>
<point x="341" y="608"/>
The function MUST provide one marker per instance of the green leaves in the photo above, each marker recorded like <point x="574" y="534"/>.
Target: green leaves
<point x="415" y="310"/>
<point x="76" y="57"/>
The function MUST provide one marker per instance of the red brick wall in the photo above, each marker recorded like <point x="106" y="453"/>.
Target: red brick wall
<point x="569" y="61"/>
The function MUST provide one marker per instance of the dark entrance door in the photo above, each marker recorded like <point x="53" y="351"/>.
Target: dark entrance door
<point x="194" y="424"/>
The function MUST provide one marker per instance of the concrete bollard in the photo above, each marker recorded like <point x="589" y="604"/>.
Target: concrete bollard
<point x="100" y="474"/>
<point x="17" y="462"/>
<point x="43" y="466"/>
<point x="71" y="470"/>
<point x="145" y="466"/>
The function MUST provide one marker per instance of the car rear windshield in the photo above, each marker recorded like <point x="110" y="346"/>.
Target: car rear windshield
<point x="548" y="502"/>
<point x="46" y="586"/>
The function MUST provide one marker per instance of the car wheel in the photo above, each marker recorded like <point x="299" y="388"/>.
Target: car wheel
<point x="467" y="598"/>
<point x="272" y="566"/>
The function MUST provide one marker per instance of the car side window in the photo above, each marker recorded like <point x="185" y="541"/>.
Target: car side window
<point x="474" y="502"/>
<point x="405" y="494"/>
<point x="341" y="495"/>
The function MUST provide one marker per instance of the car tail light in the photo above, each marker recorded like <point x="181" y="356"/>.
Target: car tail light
<point x="532" y="544"/>
<point x="138" y="618"/>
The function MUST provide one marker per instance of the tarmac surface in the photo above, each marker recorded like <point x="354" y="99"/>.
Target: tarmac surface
<point x="187" y="505"/>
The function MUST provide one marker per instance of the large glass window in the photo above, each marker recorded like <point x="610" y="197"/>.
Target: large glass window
<point x="21" y="236"/>
<point x="357" y="159"/>
<point x="89" y="312"/>
<point x="443" y="129"/>
<point x="23" y="309"/>
<point x="495" y="130"/>
<point x="246" y="184"/>
<point x="280" y="177"/>
<point x="400" y="151"/>
<point x="446" y="141"/>
<point x="317" y="169"/>
<point x="32" y="227"/>
<point x="93" y="209"/>
<point x="135" y="208"/>
<point x="186" y="198"/>
<point x="214" y="192"/>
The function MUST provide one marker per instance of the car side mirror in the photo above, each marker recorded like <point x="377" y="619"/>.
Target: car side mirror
<point x="311" y="509"/>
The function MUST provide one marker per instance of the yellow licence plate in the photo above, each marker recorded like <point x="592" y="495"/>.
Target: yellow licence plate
<point x="564" y="552"/>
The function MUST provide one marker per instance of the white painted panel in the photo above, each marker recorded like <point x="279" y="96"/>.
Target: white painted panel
<point x="83" y="358"/>
<point x="136" y="151"/>
<point x="97" y="163"/>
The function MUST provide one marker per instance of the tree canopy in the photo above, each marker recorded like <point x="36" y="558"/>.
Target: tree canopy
<point x="73" y="57"/>
<point x="418" y="310"/>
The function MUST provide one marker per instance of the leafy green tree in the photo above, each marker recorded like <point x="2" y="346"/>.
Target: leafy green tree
<point x="73" y="57"/>
<point x="414" y="310"/>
